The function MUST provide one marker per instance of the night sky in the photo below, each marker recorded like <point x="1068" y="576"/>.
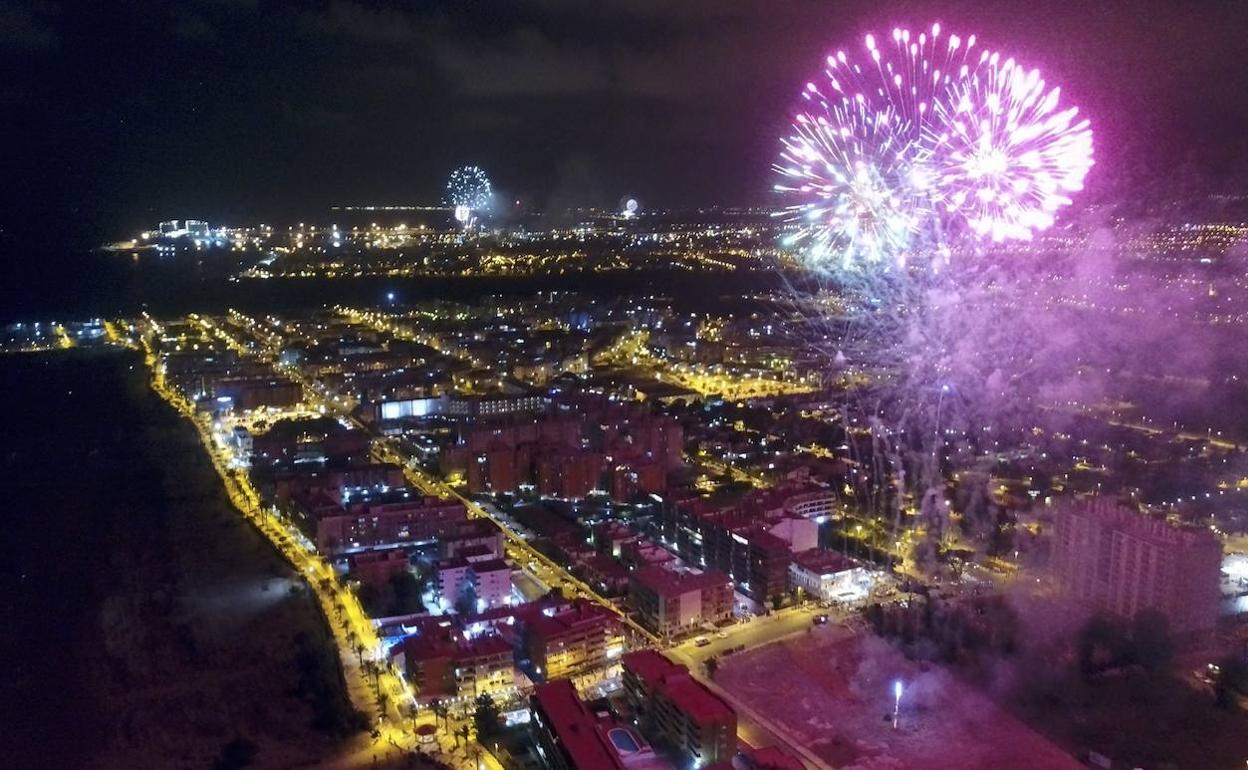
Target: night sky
<point x="122" y="113"/>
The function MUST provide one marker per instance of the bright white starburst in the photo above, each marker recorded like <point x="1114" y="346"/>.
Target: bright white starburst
<point x="469" y="188"/>
<point x="920" y="142"/>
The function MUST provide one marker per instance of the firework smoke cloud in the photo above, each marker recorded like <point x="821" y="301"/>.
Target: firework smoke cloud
<point x="908" y="166"/>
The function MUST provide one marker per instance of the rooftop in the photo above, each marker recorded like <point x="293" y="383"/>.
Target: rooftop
<point x="822" y="562"/>
<point x="607" y="566"/>
<point x="669" y="582"/>
<point x="437" y="642"/>
<point x="581" y="613"/>
<point x="1112" y="514"/>
<point x="662" y="676"/>
<point x="490" y="565"/>
<point x="455" y="562"/>
<point x="473" y="528"/>
<point x="577" y="729"/>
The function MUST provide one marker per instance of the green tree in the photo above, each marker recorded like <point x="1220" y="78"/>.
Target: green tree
<point x="1103" y="643"/>
<point x="406" y="590"/>
<point x="486" y="716"/>
<point x="466" y="603"/>
<point x="1001" y="539"/>
<point x="440" y="710"/>
<point x="1150" y="640"/>
<point x="1232" y="681"/>
<point x="874" y="614"/>
<point x="370" y="598"/>
<point x="320" y="684"/>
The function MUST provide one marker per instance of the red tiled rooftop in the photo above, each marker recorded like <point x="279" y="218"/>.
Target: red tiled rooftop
<point x="766" y="541"/>
<point x="487" y="645"/>
<point x="427" y="646"/>
<point x="582" y="612"/>
<point x="469" y="551"/>
<point x="575" y="727"/>
<point x="520" y="611"/>
<point x="491" y="565"/>
<point x="668" y="582"/>
<point x="378" y="557"/>
<point x="695" y="700"/>
<point x="823" y="562"/>
<point x="437" y="642"/>
<point x="455" y="562"/>
<point x="607" y="566"/>
<point x="672" y="680"/>
<point x="471" y="529"/>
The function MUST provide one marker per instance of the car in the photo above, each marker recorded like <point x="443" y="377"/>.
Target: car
<point x="701" y="641"/>
<point x="820" y="620"/>
<point x="721" y="635"/>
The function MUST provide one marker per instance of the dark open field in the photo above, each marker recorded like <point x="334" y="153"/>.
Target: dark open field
<point x="833" y="691"/>
<point x="147" y="625"/>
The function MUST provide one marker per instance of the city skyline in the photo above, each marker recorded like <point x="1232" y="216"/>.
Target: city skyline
<point x="232" y="110"/>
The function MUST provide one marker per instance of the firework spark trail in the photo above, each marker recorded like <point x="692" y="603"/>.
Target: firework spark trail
<point x="929" y="369"/>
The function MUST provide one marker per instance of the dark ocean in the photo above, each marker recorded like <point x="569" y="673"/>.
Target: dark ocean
<point x="73" y="284"/>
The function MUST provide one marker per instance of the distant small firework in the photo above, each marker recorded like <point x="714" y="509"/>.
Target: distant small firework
<point x="468" y="190"/>
<point x="926" y="140"/>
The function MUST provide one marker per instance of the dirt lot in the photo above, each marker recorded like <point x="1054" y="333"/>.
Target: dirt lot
<point x="834" y="692"/>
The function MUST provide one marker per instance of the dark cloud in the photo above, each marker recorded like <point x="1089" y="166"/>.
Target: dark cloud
<point x="366" y="24"/>
<point x="27" y="26"/>
<point x="190" y="25"/>
<point x="525" y="63"/>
